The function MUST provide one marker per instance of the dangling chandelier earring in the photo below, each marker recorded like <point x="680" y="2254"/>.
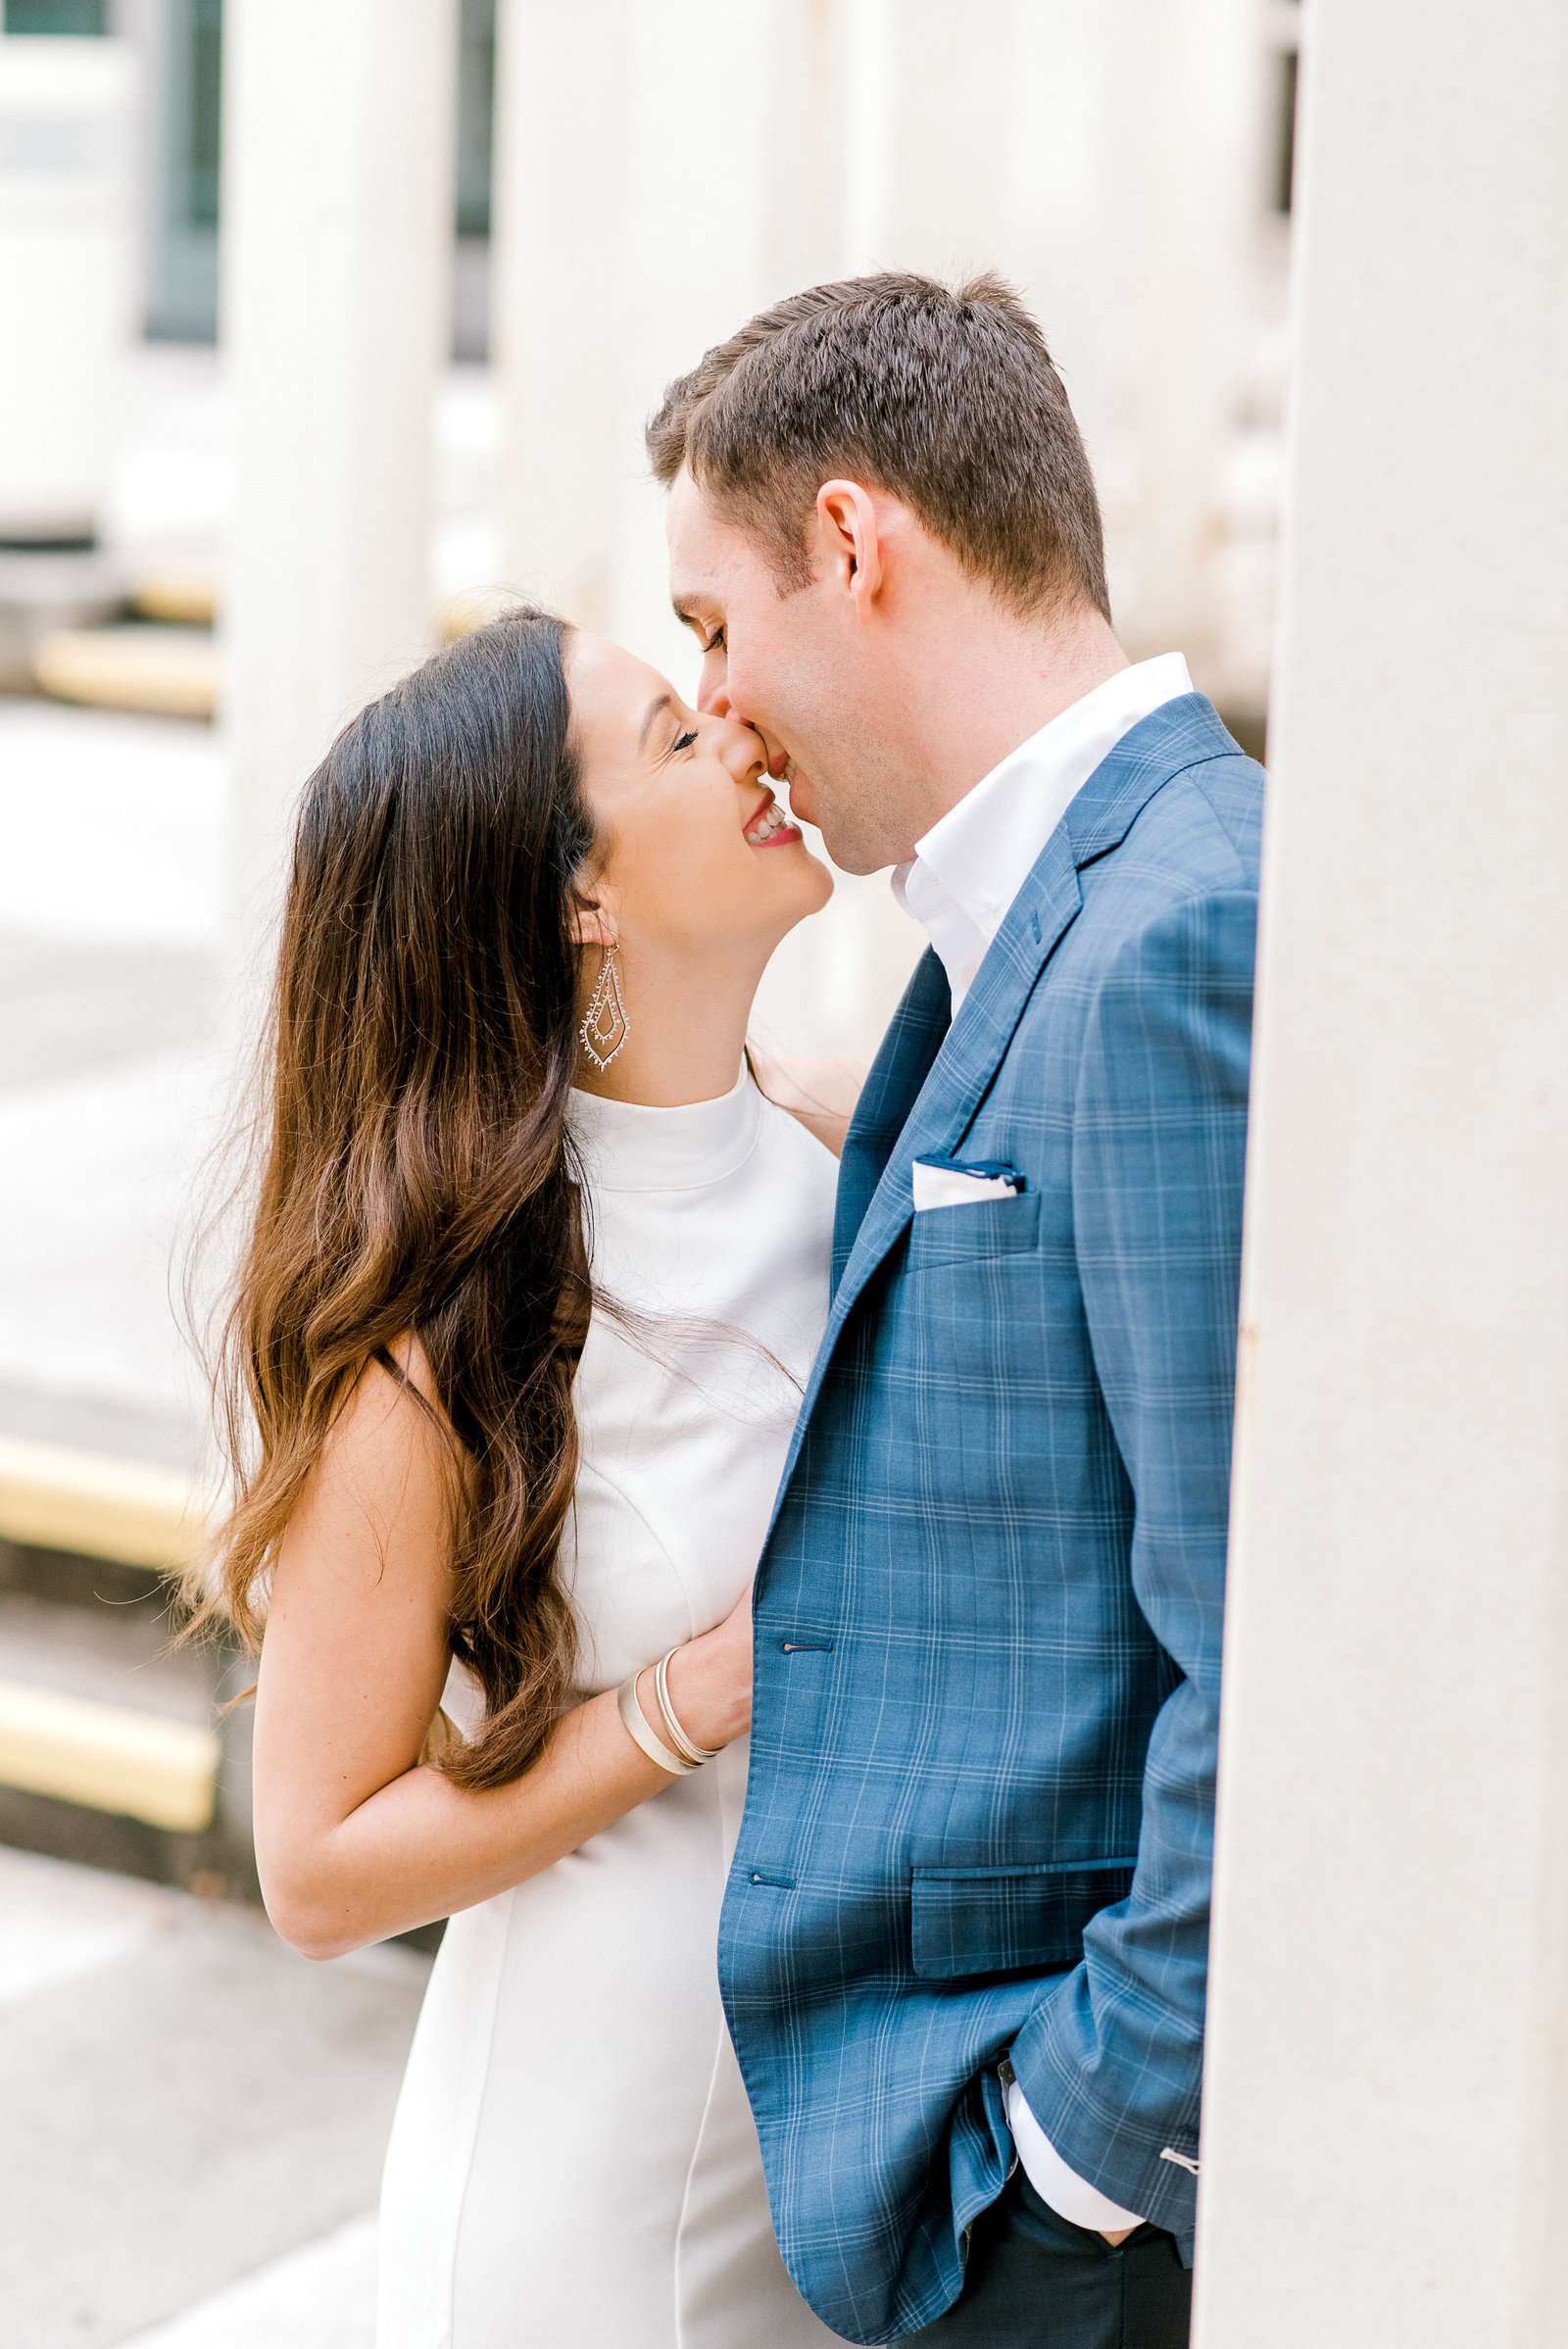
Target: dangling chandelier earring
<point x="607" y="1027"/>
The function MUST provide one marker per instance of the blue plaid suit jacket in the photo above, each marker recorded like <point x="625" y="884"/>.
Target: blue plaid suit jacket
<point x="979" y="1818"/>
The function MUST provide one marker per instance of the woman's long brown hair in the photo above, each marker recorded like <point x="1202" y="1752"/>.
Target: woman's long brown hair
<point x="416" y="1169"/>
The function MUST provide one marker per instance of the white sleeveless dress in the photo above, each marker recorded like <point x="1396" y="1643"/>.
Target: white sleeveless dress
<point x="573" y="2162"/>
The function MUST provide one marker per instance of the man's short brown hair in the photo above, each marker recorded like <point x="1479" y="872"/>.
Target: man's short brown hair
<point x="947" y="400"/>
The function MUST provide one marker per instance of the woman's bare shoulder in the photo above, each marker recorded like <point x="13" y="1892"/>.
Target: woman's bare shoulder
<point x="820" y="1091"/>
<point x="390" y="1435"/>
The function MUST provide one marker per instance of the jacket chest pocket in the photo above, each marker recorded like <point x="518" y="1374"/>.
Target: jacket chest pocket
<point x="992" y="1229"/>
<point x="1005" y="1920"/>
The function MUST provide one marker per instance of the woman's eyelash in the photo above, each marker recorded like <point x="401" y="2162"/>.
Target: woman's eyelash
<point x="685" y="742"/>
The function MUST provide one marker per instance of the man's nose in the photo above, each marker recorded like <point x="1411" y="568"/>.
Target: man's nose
<point x="712" y="688"/>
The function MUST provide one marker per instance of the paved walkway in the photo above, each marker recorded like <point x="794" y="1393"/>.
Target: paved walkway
<point x="195" y="2119"/>
<point x="322" y="2297"/>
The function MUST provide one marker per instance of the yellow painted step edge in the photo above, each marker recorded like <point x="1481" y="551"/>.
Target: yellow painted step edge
<point x="107" y="1757"/>
<point x="54" y="1499"/>
<point x="176" y="671"/>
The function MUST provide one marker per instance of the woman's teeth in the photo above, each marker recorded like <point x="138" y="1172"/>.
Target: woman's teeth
<point x="762" y="828"/>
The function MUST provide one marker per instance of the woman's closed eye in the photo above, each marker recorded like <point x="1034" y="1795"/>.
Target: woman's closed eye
<point x="685" y="741"/>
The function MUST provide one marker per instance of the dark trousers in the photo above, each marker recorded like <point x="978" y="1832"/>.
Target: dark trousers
<point x="1036" y="2281"/>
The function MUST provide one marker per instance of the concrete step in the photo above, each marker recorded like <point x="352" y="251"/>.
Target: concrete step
<point x="117" y="1747"/>
<point x="120" y="1512"/>
<point x="168" y="662"/>
<point x="183" y="589"/>
<point x="175" y="673"/>
<point x="115" y="1758"/>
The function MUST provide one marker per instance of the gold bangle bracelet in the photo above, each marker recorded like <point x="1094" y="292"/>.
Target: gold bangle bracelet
<point x="686" y="1747"/>
<point x="637" y="1728"/>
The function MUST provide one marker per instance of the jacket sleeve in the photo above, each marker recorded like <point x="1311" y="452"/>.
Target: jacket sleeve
<point x="1110" y="2061"/>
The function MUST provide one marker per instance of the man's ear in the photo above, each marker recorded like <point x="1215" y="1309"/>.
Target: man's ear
<point x="849" y="545"/>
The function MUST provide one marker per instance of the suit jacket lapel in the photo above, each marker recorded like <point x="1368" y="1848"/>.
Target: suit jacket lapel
<point x="901" y="1067"/>
<point x="924" y="1087"/>
<point x="968" y="1059"/>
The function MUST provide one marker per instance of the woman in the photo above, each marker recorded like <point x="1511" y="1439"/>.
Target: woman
<point x="536" y="1274"/>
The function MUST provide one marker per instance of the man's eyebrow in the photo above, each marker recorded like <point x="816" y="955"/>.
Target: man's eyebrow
<point x="664" y="702"/>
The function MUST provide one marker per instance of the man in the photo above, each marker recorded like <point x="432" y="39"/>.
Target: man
<point x="967" y="1920"/>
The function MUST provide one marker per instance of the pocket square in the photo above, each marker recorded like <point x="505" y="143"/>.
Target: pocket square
<point x="940" y="1183"/>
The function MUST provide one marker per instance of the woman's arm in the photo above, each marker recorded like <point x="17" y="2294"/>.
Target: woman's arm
<point x="355" y="1839"/>
<point x="821" y="1092"/>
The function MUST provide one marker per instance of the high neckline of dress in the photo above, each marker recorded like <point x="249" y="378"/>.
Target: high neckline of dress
<point x="630" y="1147"/>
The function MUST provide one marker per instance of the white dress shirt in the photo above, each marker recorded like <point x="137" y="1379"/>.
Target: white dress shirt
<point x="967" y="871"/>
<point x="959" y="885"/>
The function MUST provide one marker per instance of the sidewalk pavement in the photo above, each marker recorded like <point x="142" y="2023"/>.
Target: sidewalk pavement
<point x="322" y="2297"/>
<point x="195" y="2119"/>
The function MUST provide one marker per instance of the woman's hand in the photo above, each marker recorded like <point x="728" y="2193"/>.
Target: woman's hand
<point x="709" y="1681"/>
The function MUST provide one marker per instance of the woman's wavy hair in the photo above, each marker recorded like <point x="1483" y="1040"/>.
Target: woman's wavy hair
<point x="416" y="1172"/>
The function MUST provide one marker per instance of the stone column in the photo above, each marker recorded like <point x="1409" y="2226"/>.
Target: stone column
<point x="337" y="209"/>
<point x="67" y="138"/>
<point x="563" y="99"/>
<point x="1385" y="2132"/>
<point x="1183" y="126"/>
<point x="649" y="197"/>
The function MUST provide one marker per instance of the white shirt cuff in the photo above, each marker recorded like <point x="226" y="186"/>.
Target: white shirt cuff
<point x="1070" y="2196"/>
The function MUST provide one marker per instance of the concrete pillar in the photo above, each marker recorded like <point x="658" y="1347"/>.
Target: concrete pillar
<point x="1184" y="127"/>
<point x="66" y="276"/>
<point x="1386" y="2129"/>
<point x="337" y="209"/>
<point x="564" y="101"/>
<point x="639" y="216"/>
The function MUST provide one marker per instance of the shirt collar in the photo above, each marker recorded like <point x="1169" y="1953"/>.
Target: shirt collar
<point x="968" y="869"/>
